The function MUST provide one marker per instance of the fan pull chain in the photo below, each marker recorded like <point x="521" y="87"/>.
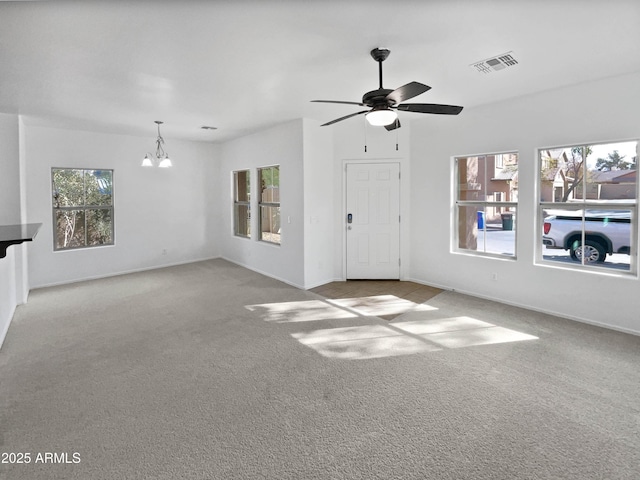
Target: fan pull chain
<point x="365" y="135"/>
<point x="397" y="134"/>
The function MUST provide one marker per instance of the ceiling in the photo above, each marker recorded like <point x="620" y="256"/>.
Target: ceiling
<point x="245" y="65"/>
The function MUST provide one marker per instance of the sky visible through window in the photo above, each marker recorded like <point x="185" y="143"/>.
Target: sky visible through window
<point x="625" y="149"/>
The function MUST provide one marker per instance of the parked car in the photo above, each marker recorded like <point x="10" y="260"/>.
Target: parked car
<point x="606" y="232"/>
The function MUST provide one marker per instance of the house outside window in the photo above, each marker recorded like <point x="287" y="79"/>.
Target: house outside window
<point x="588" y="206"/>
<point x="82" y="208"/>
<point x="242" y="203"/>
<point x="269" y="204"/>
<point x="486" y="201"/>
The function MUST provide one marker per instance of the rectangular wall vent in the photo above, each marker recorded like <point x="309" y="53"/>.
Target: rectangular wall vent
<point x="493" y="64"/>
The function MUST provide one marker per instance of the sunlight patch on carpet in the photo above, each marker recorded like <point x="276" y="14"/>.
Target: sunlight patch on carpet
<point x="305" y="311"/>
<point x="418" y="335"/>
<point x="458" y="332"/>
<point x="380" y="305"/>
<point x="406" y="338"/>
<point x="359" y="343"/>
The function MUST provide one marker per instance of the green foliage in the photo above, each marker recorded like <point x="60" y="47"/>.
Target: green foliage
<point x="77" y="194"/>
<point x="614" y="161"/>
<point x="270" y="177"/>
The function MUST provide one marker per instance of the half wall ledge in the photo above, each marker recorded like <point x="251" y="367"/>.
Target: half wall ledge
<point x="16" y="234"/>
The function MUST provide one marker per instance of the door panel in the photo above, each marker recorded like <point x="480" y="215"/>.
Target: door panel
<point x="373" y="236"/>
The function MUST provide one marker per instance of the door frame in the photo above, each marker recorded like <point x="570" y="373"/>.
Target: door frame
<point x="404" y="211"/>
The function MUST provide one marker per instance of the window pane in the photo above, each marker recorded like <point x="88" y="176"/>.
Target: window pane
<point x="270" y="177"/>
<point x="470" y="220"/>
<point x="480" y="232"/>
<point x="612" y="171"/>
<point x="471" y="178"/>
<point x="582" y="173"/>
<point x="486" y="197"/>
<point x="561" y="175"/>
<point x="552" y="184"/>
<point x="592" y="237"/>
<point x="99" y="227"/>
<point x="98" y="184"/>
<point x="270" y="184"/>
<point x="502" y="178"/>
<point x="270" y="223"/>
<point x="499" y="236"/>
<point x="242" y="220"/>
<point x="68" y="187"/>
<point x="242" y="186"/>
<point x="69" y="229"/>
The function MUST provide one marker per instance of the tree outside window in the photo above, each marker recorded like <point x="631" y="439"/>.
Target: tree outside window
<point x="270" y="204"/>
<point x="82" y="208"/>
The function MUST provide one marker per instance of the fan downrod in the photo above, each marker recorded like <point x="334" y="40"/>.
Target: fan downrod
<point x="380" y="54"/>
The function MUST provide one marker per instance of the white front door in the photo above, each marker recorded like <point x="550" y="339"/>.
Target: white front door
<point x="372" y="221"/>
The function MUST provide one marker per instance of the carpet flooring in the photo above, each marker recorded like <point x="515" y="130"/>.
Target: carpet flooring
<point x="211" y="371"/>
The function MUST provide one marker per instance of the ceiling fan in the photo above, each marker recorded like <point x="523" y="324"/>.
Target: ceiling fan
<point x="383" y="102"/>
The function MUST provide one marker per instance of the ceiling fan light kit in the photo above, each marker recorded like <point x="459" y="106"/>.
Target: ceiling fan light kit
<point x="381" y="117"/>
<point x="383" y="103"/>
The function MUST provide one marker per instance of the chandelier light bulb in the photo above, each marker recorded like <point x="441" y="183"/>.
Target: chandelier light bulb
<point x="165" y="162"/>
<point x="147" y="162"/>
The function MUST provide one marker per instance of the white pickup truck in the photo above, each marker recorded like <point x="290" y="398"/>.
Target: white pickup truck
<point x="605" y="232"/>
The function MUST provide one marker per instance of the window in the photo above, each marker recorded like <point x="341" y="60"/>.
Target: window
<point x="588" y="205"/>
<point x="486" y="204"/>
<point x="242" y="203"/>
<point x="82" y="208"/>
<point x="269" y="204"/>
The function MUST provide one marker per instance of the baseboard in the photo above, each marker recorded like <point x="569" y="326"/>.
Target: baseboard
<point x="530" y="307"/>
<point x="275" y="277"/>
<point x="5" y="328"/>
<point x="318" y="284"/>
<point x="124" y="272"/>
<point x="266" y="274"/>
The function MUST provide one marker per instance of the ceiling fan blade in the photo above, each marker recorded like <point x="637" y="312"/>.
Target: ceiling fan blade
<point x="339" y="101"/>
<point x="407" y="91"/>
<point x="430" y="108"/>
<point x="344" y="118"/>
<point x="393" y="126"/>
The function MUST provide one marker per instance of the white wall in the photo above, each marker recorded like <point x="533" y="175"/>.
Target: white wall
<point x="171" y="209"/>
<point x="10" y="214"/>
<point x="588" y="113"/>
<point x="321" y="194"/>
<point x="281" y="145"/>
<point x="10" y="173"/>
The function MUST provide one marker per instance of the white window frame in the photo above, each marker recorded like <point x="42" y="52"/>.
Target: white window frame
<point x="240" y="203"/>
<point x="56" y="208"/>
<point x="481" y="205"/>
<point x="581" y="206"/>
<point x="267" y="205"/>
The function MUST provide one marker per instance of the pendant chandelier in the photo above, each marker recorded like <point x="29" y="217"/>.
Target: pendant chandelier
<point x="161" y="158"/>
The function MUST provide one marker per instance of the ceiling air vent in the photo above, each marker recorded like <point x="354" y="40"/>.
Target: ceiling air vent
<point x="493" y="64"/>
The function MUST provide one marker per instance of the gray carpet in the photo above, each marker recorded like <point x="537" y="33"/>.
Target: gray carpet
<point x="211" y="371"/>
